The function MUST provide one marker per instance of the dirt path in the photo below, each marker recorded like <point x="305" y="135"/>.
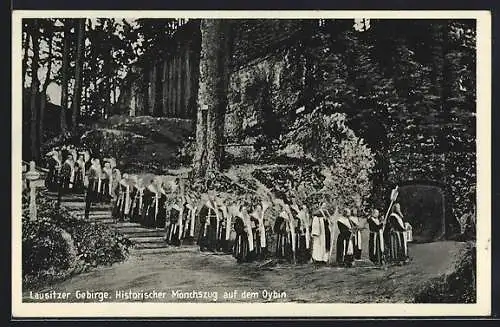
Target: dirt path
<point x="189" y="270"/>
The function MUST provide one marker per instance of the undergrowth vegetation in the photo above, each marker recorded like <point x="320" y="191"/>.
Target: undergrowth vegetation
<point x="57" y="245"/>
<point x="457" y="287"/>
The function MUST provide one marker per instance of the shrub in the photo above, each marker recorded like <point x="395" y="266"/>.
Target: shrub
<point x="112" y="143"/>
<point x="292" y="181"/>
<point x="96" y="244"/>
<point x="44" y="247"/>
<point x="63" y="139"/>
<point x="186" y="152"/>
<point x="47" y="250"/>
<point x="346" y="161"/>
<point x="457" y="287"/>
<point x="57" y="245"/>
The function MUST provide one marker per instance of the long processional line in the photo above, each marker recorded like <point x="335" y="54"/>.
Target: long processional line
<point x="228" y="224"/>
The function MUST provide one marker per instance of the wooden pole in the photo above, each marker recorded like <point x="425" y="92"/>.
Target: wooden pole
<point x="187" y="105"/>
<point x="394" y="196"/>
<point x="32" y="176"/>
<point x="170" y="92"/>
<point x="443" y="216"/>
<point x="32" y="202"/>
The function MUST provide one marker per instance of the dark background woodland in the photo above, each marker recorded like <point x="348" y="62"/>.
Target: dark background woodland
<point x="407" y="88"/>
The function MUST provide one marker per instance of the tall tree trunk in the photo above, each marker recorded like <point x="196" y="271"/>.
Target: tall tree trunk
<point x="34" y="92"/>
<point x="179" y="85"/>
<point x="46" y="83"/>
<point x="107" y="90"/>
<point x="77" y="96"/>
<point x="170" y="92"/>
<point x="83" y="107"/>
<point x="174" y="86"/>
<point x="113" y="90"/>
<point x="65" y="73"/>
<point x="26" y="46"/>
<point x="212" y="95"/>
<point x="188" y="83"/>
<point x="440" y="82"/>
<point x="95" y="103"/>
<point x="164" y="84"/>
<point x="152" y="90"/>
<point x="438" y="57"/>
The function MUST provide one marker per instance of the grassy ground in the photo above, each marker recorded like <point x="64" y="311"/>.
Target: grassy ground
<point x="160" y="140"/>
<point x="188" y="270"/>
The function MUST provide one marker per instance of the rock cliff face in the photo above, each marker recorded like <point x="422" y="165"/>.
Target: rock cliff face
<point x="430" y="145"/>
<point x="269" y="82"/>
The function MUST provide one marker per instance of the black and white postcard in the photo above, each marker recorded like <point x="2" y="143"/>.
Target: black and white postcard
<point x="251" y="164"/>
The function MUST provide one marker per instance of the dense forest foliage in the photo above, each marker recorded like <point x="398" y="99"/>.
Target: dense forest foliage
<point x="402" y="82"/>
<point x="88" y="59"/>
<point x="405" y="86"/>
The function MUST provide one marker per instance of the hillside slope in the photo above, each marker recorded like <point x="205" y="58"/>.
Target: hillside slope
<point x="141" y="144"/>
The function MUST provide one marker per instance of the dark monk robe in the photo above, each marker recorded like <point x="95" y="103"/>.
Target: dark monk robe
<point x="283" y="244"/>
<point x="182" y="218"/>
<point x="398" y="247"/>
<point x="189" y="222"/>
<point x="97" y="169"/>
<point x="127" y="197"/>
<point x="106" y="180"/>
<point x="345" y="245"/>
<point x="257" y="251"/>
<point x="262" y="209"/>
<point x="240" y="248"/>
<point x="68" y="175"/>
<point x="208" y="232"/>
<point x="155" y="212"/>
<point x="94" y="173"/>
<point x="123" y="200"/>
<point x="116" y="191"/>
<point x="376" y="241"/>
<point x="151" y="206"/>
<point x="118" y="203"/>
<point x="244" y="245"/>
<point x="226" y="222"/>
<point x="91" y="195"/>
<point x="161" y="219"/>
<point x="54" y="166"/>
<point x="64" y="153"/>
<point x="355" y="223"/>
<point x="80" y="175"/>
<point x="304" y="235"/>
<point x="259" y="230"/>
<point x="221" y="243"/>
<point x="186" y="221"/>
<point x="303" y="253"/>
<point x="174" y="222"/>
<point x="137" y="205"/>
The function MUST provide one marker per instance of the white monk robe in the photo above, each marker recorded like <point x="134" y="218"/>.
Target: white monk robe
<point x="305" y="220"/>
<point x="290" y="221"/>
<point x="345" y="244"/>
<point x="357" y="238"/>
<point x="248" y="224"/>
<point x="192" y="217"/>
<point x="409" y="232"/>
<point x="321" y="244"/>
<point x="262" y="229"/>
<point x="398" y="238"/>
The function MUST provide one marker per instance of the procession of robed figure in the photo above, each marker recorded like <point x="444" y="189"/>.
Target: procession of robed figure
<point x="230" y="226"/>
